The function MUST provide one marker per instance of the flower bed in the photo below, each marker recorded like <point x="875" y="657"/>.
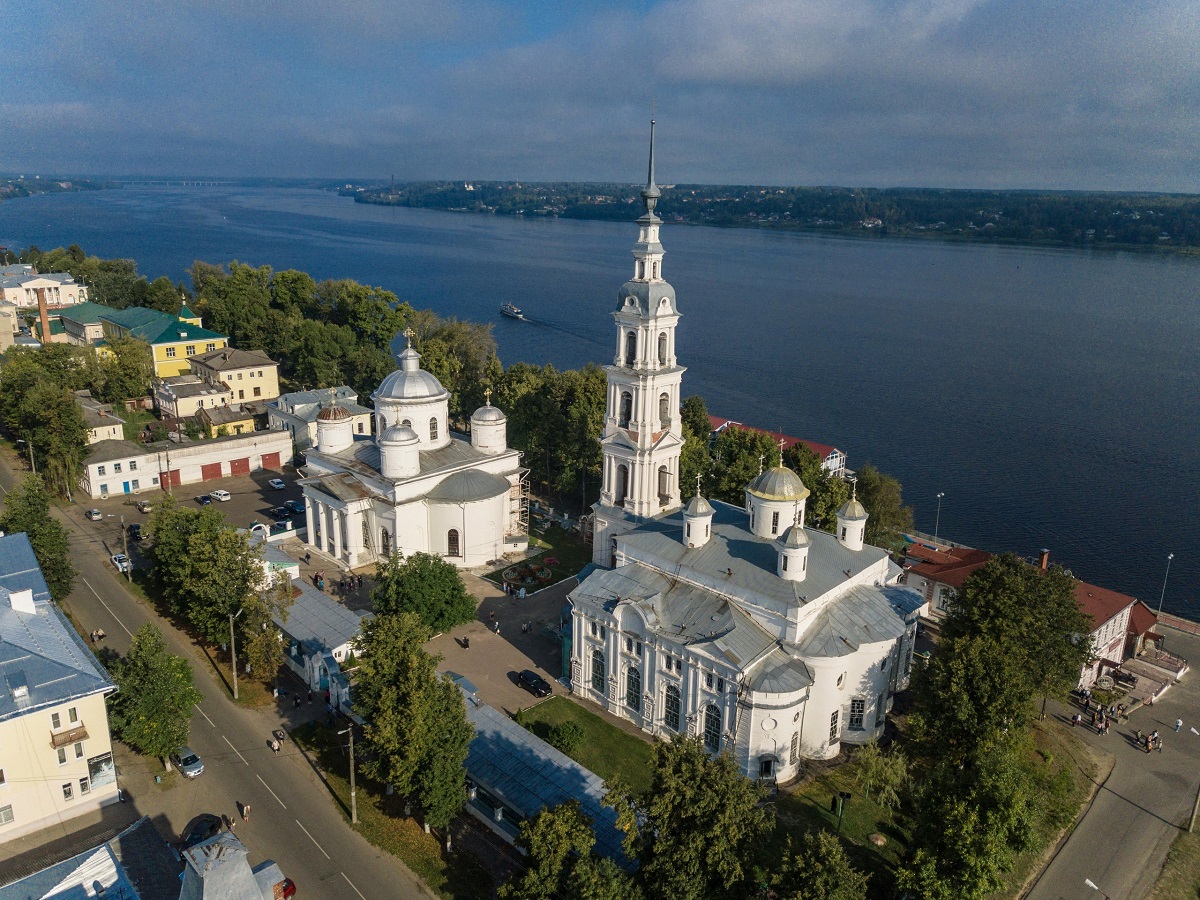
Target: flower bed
<point x="527" y="575"/>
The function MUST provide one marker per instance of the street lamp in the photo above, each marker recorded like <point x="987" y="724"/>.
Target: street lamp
<point x="1095" y="887"/>
<point x="124" y="547"/>
<point x="233" y="651"/>
<point x="937" y="523"/>
<point x="1170" y="556"/>
<point x="353" y="796"/>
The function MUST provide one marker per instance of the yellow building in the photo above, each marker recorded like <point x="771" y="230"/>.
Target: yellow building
<point x="249" y="375"/>
<point x="172" y="339"/>
<point x="56" y="761"/>
<point x="232" y="419"/>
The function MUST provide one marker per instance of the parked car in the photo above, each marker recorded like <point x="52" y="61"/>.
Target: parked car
<point x="296" y="506"/>
<point x="121" y="561"/>
<point x="144" y="506"/>
<point x="187" y="761"/>
<point x="200" y="829"/>
<point x="135" y="531"/>
<point x="204" y="499"/>
<point x="281" y="526"/>
<point x="277" y="483"/>
<point x="280" y="513"/>
<point x="93" y="515"/>
<point x="221" y="496"/>
<point x="534" y="683"/>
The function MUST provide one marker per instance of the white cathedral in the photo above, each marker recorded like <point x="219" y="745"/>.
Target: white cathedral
<point x="416" y="487"/>
<point x="769" y="640"/>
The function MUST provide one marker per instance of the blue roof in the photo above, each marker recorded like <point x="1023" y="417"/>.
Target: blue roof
<point x="527" y="774"/>
<point x="317" y="620"/>
<point x="43" y="662"/>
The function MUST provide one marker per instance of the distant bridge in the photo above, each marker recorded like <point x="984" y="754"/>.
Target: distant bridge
<point x="189" y="182"/>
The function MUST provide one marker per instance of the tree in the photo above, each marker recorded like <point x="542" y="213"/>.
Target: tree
<point x="417" y="728"/>
<point x="125" y="370"/>
<point x="885" y="772"/>
<point x="697" y="828"/>
<point x="819" y="870"/>
<point x="425" y="585"/>
<point x="152" y="709"/>
<point x="258" y="634"/>
<point x="27" y="509"/>
<point x="739" y="455"/>
<point x="695" y="418"/>
<point x="888" y="518"/>
<point x="827" y="493"/>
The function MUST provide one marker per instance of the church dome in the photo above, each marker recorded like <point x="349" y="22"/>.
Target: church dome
<point x="399" y="434"/>
<point x="487" y="413"/>
<point x="853" y="511"/>
<point x="333" y="414"/>
<point x="794" y="538"/>
<point x="698" y="506"/>
<point x="410" y="381"/>
<point x="778" y="483"/>
<point x="470" y="485"/>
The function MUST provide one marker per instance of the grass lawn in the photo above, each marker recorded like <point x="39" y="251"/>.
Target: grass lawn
<point x="606" y="750"/>
<point x="135" y="421"/>
<point x="381" y="821"/>
<point x="1180" y="877"/>
<point x="571" y="552"/>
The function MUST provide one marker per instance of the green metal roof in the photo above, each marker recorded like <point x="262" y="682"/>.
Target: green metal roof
<point x="156" y="327"/>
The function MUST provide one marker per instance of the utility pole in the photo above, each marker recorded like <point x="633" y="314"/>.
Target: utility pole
<point x="1195" y="810"/>
<point x="353" y="792"/>
<point x="125" y="550"/>
<point x="32" y="462"/>
<point x="233" y="652"/>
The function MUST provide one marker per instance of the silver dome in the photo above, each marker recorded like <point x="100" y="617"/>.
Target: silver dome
<point x="794" y="538"/>
<point x="464" y="487"/>
<point x="853" y="511"/>
<point x="410" y="381"/>
<point x="698" y="506"/>
<point x="399" y="434"/>
<point x="486" y="414"/>
<point x="778" y="483"/>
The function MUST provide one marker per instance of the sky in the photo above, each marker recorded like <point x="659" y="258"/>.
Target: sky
<point x="1103" y="95"/>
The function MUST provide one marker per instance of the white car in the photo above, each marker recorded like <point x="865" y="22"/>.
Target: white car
<point x="220" y="496"/>
<point x="121" y="561"/>
<point x="277" y="483"/>
<point x="94" y="515"/>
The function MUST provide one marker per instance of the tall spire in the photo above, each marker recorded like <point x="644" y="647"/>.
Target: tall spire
<point x="650" y="193"/>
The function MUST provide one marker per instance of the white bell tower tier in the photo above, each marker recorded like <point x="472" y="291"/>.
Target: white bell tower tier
<point x="643" y="434"/>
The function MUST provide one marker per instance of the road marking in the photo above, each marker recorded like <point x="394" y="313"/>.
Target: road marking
<point x="203" y="713"/>
<point x="106" y="606"/>
<point x="314" y="840"/>
<point x="273" y="794"/>
<point x="234" y="749"/>
<point x="351" y="883"/>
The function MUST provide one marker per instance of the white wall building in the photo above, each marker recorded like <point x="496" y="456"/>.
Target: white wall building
<point x="417" y="488"/>
<point x="297" y="413"/>
<point x="21" y="284"/>
<point x="766" y="639"/>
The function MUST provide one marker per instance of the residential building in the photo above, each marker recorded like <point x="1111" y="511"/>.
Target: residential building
<point x="249" y="375"/>
<point x="123" y="467"/>
<point x="10" y="325"/>
<point x="102" y="423"/>
<point x="297" y="412"/>
<point x="418" y="488"/>
<point x="82" y="324"/>
<point x="182" y="396"/>
<point x="173" y="340"/>
<point x="737" y="625"/>
<point x="937" y="571"/>
<point x="226" y="420"/>
<point x="56" y="758"/>
<point x="22" y="284"/>
<point x="832" y="459"/>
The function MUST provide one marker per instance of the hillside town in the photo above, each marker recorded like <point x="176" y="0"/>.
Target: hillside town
<point x="245" y="603"/>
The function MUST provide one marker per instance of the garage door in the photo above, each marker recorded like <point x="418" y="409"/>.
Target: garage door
<point x="271" y="461"/>
<point x="239" y="466"/>
<point x="173" y="478"/>
<point x="210" y="472"/>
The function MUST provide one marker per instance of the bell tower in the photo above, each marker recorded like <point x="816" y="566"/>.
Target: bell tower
<point x="643" y="434"/>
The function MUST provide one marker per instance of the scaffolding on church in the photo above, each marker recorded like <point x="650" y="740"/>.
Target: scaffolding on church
<point x="519" y="516"/>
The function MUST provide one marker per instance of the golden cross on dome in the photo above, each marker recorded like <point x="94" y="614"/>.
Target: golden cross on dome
<point x="487" y="396"/>
<point x="760" y="464"/>
<point x="782" y="441"/>
<point x="410" y="334"/>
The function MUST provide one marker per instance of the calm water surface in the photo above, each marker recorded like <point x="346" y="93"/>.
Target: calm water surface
<point x="1054" y="396"/>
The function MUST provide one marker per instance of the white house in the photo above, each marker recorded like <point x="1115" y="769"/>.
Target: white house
<point x="297" y="413"/>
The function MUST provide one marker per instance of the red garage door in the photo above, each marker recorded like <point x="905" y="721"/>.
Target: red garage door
<point x="210" y="471"/>
<point x="173" y="478"/>
<point x="271" y="461"/>
<point x="239" y="466"/>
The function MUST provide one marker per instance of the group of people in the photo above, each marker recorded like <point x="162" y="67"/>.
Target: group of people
<point x="1151" y="741"/>
<point x="515" y="593"/>
<point x="344" y="585"/>
<point x="97" y="635"/>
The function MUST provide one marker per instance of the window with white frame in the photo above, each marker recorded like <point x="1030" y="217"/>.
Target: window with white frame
<point x="712" y="728"/>
<point x="597" y="670"/>
<point x="858" y="708"/>
<point x="73" y="714"/>
<point x="6" y="814"/>
<point x="55" y="720"/>
<point x="62" y="756"/>
<point x="133" y="465"/>
<point x="671" y="708"/>
<point x="85" y="786"/>
<point x="68" y="791"/>
<point x="794" y="755"/>
<point x="79" y="749"/>
<point x="100" y="470"/>
<point x="116" y="468"/>
<point x="833" y="726"/>
<point x="633" y="688"/>
<point x="880" y="710"/>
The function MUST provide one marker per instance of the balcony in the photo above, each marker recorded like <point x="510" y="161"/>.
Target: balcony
<point x="68" y="737"/>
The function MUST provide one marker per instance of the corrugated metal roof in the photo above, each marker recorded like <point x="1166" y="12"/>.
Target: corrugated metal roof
<point x="468" y="486"/>
<point x="315" y="617"/>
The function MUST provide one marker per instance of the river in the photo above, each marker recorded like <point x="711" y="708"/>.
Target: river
<point x="1053" y="396"/>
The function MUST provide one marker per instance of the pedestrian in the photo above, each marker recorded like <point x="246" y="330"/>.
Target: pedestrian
<point x="1178" y="725"/>
<point x="497" y="625"/>
<point x="228" y="819"/>
<point x="360" y="582"/>
<point x="492" y="615"/>
<point x="297" y="703"/>
<point x="466" y="643"/>
<point x="310" y="696"/>
<point x="245" y="812"/>
<point x="521" y="594"/>
<point x="275" y="747"/>
<point x="1112" y="710"/>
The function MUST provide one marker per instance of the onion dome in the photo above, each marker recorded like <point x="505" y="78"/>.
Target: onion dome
<point x="778" y="483"/>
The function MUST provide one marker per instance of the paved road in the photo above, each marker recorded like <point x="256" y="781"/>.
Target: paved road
<point x="1123" y="840"/>
<point x="293" y="819"/>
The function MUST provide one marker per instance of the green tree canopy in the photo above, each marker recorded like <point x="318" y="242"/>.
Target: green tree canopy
<point x="819" y="870"/>
<point x="889" y="517"/>
<point x="696" y="830"/>
<point x="27" y="509"/>
<point x="885" y="773"/>
<point x="738" y="456"/>
<point x="425" y="585"/>
<point x="827" y="493"/>
<point x="152" y="709"/>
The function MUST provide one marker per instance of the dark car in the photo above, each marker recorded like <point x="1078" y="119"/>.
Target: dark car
<point x="534" y="683"/>
<point x="200" y="829"/>
<point x="135" y="532"/>
<point x="281" y="512"/>
<point x="204" y="499"/>
<point x="296" y="506"/>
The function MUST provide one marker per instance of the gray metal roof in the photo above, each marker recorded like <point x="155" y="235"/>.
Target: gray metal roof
<point x="227" y="358"/>
<point x="861" y="616"/>
<point x="642" y="297"/>
<point x="306" y="404"/>
<point x="526" y="773"/>
<point x="39" y="651"/>
<point x="795" y="537"/>
<point x="103" y="451"/>
<point x="410" y="381"/>
<point x="25" y="278"/>
<point x="315" y="617"/>
<point x="698" y="506"/>
<point x="363" y="457"/>
<point x="488" y="413"/>
<point x="399" y="434"/>
<point x="469" y="486"/>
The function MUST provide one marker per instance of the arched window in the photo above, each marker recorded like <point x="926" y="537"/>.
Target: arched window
<point x="407" y="423"/>
<point x="626" y="412"/>
<point x="662" y="348"/>
<point x="385" y="542"/>
<point x="664" y="485"/>
<point x="671" y="716"/>
<point x="622" y="484"/>
<point x="664" y="410"/>
<point x="382" y="425"/>
<point x="433" y="429"/>
<point x="712" y="729"/>
<point x="631" y="348"/>
<point x="598" y="670"/>
<point x="794" y="756"/>
<point x="633" y="688"/>
<point x="452" y="546"/>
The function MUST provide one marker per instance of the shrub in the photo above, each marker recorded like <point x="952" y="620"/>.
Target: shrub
<point x="566" y="737"/>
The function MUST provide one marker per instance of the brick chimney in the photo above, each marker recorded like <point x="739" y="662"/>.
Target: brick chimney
<point x="45" y="318"/>
<point x="1044" y="559"/>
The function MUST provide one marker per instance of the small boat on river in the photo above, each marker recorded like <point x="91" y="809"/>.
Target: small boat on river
<point x="513" y="312"/>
